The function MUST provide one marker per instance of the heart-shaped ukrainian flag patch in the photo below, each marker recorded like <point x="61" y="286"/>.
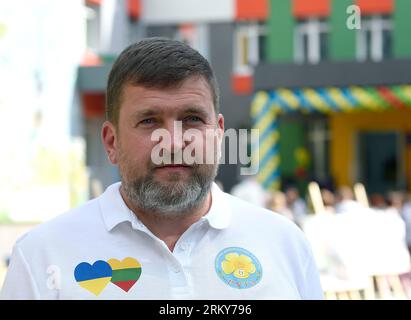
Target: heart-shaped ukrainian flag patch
<point x="93" y="278"/>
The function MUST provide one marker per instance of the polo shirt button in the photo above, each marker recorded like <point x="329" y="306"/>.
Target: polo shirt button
<point x="176" y="269"/>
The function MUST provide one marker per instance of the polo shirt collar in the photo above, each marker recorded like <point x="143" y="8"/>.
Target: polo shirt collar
<point x="219" y="215"/>
<point x="113" y="208"/>
<point x="115" y="211"/>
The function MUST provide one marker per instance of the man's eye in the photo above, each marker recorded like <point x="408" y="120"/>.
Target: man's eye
<point x="147" y="121"/>
<point x="192" y="119"/>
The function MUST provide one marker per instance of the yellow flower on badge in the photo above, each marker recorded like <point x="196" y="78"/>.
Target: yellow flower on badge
<point x="240" y="265"/>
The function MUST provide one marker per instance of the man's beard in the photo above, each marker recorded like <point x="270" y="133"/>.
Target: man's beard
<point x="176" y="196"/>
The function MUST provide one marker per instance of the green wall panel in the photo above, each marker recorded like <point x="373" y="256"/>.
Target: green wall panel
<point x="279" y="44"/>
<point x="341" y="39"/>
<point x="291" y="138"/>
<point x="402" y="29"/>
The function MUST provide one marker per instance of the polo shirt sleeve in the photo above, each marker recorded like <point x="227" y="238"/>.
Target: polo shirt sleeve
<point x="19" y="283"/>
<point x="312" y="287"/>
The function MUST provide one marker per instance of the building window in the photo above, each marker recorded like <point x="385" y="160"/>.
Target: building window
<point x="196" y="36"/>
<point x="311" y="41"/>
<point x="248" y="47"/>
<point x="92" y="13"/>
<point x="319" y="144"/>
<point x="374" y="39"/>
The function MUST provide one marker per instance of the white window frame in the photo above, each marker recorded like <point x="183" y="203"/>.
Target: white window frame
<point x="376" y="25"/>
<point x="247" y="47"/>
<point x="319" y="135"/>
<point x="198" y="39"/>
<point x="92" y="16"/>
<point x="312" y="28"/>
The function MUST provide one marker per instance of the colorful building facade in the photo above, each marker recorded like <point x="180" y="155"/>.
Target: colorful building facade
<point x="330" y="97"/>
<point x="333" y="94"/>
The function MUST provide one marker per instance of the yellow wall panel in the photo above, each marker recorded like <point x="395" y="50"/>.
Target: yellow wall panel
<point x="345" y="126"/>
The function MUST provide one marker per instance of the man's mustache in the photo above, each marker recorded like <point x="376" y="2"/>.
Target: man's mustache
<point x="174" y="159"/>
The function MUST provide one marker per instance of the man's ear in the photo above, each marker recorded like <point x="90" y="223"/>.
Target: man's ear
<point x="109" y="138"/>
<point x="220" y="134"/>
<point x="220" y="126"/>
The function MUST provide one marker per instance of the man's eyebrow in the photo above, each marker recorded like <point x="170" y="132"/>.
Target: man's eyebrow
<point x="196" y="110"/>
<point x="145" y="113"/>
<point x="187" y="110"/>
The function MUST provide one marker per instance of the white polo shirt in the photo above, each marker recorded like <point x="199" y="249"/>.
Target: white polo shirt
<point x="102" y="251"/>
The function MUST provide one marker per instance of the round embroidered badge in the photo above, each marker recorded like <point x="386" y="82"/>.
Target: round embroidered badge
<point x="238" y="268"/>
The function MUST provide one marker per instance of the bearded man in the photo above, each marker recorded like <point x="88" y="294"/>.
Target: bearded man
<point x="166" y="231"/>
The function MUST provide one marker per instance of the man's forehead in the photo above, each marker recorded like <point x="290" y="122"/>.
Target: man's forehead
<point x="195" y="96"/>
<point x="196" y="87"/>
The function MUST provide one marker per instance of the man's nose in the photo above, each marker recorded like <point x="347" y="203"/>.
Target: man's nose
<point x="176" y="136"/>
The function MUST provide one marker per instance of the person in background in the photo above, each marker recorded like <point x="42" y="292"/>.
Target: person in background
<point x="296" y="204"/>
<point x="251" y="191"/>
<point x="377" y="201"/>
<point x="395" y="200"/>
<point x="406" y="216"/>
<point x="278" y="204"/>
<point x="328" y="200"/>
<point x="346" y="202"/>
